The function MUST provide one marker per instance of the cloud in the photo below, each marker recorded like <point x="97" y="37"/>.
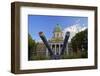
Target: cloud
<point x="77" y="21"/>
<point x="73" y="29"/>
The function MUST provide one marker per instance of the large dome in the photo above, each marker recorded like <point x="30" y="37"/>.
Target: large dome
<point x="57" y="28"/>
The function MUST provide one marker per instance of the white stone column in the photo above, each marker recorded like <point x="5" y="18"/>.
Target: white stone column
<point x="55" y="49"/>
<point x="59" y="49"/>
<point x="51" y="46"/>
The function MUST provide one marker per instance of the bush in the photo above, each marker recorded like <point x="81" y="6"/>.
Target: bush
<point x="39" y="57"/>
<point x="74" y="55"/>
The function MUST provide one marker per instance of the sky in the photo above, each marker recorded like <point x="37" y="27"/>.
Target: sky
<point x="47" y="23"/>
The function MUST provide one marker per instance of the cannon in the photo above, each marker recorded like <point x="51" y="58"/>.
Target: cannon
<point x="52" y="55"/>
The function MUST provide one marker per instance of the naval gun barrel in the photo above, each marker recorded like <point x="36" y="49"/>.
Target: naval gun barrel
<point x="42" y="36"/>
<point x="65" y="42"/>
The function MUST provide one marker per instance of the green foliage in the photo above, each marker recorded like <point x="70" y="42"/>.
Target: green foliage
<point x="74" y="55"/>
<point x="39" y="57"/>
<point x="79" y="47"/>
<point x="31" y="42"/>
<point x="80" y="41"/>
<point x="31" y="46"/>
<point x="84" y="54"/>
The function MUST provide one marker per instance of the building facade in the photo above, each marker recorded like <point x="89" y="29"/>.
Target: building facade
<point x="56" y="42"/>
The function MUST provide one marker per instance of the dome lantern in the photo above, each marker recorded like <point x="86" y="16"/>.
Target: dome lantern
<point x="57" y="28"/>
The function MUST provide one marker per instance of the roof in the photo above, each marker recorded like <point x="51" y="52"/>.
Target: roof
<point x="57" y="28"/>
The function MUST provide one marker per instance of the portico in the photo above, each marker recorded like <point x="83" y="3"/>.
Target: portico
<point x="56" y="47"/>
<point x="56" y="42"/>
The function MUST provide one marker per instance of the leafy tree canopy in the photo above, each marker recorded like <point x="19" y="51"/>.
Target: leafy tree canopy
<point x="80" y="41"/>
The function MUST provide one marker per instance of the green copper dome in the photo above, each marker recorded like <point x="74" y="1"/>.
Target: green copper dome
<point x="57" y="28"/>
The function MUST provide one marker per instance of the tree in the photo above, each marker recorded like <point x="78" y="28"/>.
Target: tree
<point x="31" y="46"/>
<point x="80" y="41"/>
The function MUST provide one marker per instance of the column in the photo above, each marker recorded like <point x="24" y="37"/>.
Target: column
<point x="51" y="46"/>
<point x="59" y="49"/>
<point x="55" y="49"/>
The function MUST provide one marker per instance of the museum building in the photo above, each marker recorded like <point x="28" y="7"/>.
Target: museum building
<point x="56" y="42"/>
